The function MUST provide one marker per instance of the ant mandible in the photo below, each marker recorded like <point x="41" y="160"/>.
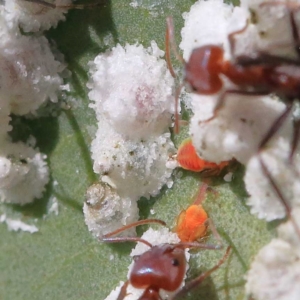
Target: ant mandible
<point x="161" y="267"/>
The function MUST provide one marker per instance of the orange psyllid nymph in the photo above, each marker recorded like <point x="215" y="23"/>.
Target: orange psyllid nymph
<point x="188" y="159"/>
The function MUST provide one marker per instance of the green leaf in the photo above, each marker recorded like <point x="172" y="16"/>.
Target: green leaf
<point x="63" y="260"/>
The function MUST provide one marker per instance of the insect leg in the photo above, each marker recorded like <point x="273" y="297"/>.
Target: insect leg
<point x="281" y="197"/>
<point x="221" y="100"/>
<point x="198" y="280"/>
<point x="123" y="290"/>
<point x="275" y="126"/>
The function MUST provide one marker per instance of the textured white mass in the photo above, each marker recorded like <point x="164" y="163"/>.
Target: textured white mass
<point x="23" y="173"/>
<point x="263" y="200"/>
<point x="238" y="129"/>
<point x="155" y="237"/>
<point x="132" y="88"/>
<point x="17" y="225"/>
<point x="30" y="76"/>
<point x="105" y="211"/>
<point x="33" y="17"/>
<point x="275" y="273"/>
<point x="261" y="35"/>
<point x="205" y="23"/>
<point x="29" y="71"/>
<point x="135" y="168"/>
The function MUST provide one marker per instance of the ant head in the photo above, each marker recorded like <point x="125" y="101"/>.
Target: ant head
<point x="203" y="69"/>
<point x="162" y="266"/>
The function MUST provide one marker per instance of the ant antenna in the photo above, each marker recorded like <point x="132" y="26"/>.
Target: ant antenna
<point x="125" y="239"/>
<point x="194" y="283"/>
<point x="109" y="239"/>
<point x="169" y="32"/>
<point x="135" y="224"/>
<point x="70" y="6"/>
<point x="196" y="245"/>
<point x="177" y="94"/>
<point x="170" y="40"/>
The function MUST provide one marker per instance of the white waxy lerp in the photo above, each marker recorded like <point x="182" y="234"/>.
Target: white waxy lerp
<point x="135" y="169"/>
<point x="23" y="173"/>
<point x="132" y="89"/>
<point x="30" y="74"/>
<point x="33" y="17"/>
<point x="105" y="211"/>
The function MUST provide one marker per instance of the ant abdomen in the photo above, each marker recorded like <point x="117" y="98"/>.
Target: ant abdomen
<point x="203" y="69"/>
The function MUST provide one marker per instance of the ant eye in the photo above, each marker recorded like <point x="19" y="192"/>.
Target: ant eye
<point x="136" y="257"/>
<point x="175" y="262"/>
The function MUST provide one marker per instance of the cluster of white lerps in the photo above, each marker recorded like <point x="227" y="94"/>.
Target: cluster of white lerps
<point x="131" y="91"/>
<point x="30" y="76"/>
<point x="242" y="124"/>
<point x="132" y="94"/>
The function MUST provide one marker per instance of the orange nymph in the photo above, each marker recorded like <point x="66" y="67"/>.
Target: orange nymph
<point x="191" y="223"/>
<point x="188" y="159"/>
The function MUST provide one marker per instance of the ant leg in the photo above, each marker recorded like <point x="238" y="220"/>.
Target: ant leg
<point x="200" y="197"/>
<point x="221" y="101"/>
<point x="280" y="195"/>
<point x="123" y="291"/>
<point x="275" y="127"/>
<point x="70" y="6"/>
<point x="215" y="232"/>
<point x="295" y="141"/>
<point x="198" y="280"/>
<point x="295" y="32"/>
<point x="231" y="37"/>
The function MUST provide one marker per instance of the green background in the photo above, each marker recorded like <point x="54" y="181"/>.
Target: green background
<point x="63" y="260"/>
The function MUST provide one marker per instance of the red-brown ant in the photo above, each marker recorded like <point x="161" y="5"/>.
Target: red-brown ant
<point x="261" y="74"/>
<point x="161" y="267"/>
<point x="253" y="76"/>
